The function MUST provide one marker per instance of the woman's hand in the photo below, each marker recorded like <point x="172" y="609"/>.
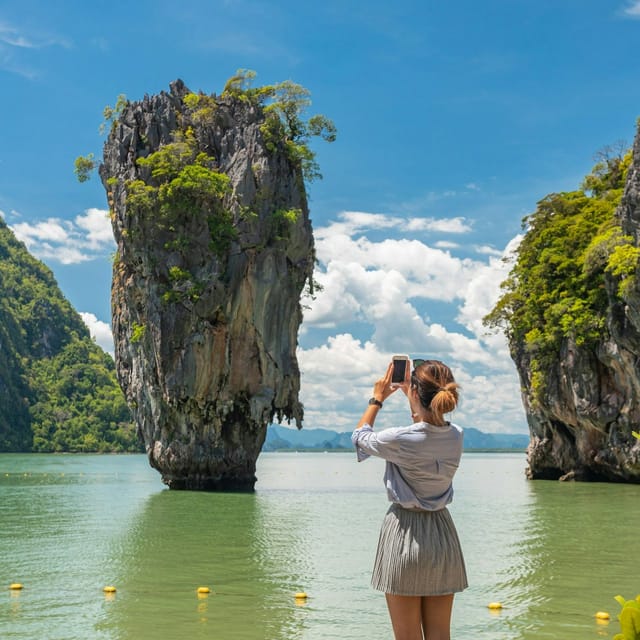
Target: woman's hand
<point x="383" y="388"/>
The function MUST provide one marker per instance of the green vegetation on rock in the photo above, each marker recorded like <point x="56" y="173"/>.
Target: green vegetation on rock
<point x="285" y="104"/>
<point x="83" y="167"/>
<point x="556" y="288"/>
<point x="183" y="182"/>
<point x="58" y="389"/>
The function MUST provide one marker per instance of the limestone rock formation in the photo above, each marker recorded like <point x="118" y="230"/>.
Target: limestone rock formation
<point x="583" y="431"/>
<point x="214" y="247"/>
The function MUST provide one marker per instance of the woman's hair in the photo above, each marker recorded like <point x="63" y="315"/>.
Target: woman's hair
<point x="436" y="387"/>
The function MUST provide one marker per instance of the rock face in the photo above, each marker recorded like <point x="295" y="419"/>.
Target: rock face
<point x="584" y="430"/>
<point x="206" y="288"/>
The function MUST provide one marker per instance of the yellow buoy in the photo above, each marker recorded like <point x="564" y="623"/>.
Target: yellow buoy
<point x="301" y="595"/>
<point x="109" y="589"/>
<point x="494" y="605"/>
<point x="204" y="590"/>
<point x="602" y="615"/>
<point x="16" y="586"/>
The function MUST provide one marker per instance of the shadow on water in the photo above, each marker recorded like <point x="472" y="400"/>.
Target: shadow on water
<point x="246" y="555"/>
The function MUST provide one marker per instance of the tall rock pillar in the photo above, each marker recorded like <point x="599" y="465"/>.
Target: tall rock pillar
<point x="214" y="249"/>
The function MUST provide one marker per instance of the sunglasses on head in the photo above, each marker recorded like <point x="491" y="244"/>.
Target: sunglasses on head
<point x="416" y="363"/>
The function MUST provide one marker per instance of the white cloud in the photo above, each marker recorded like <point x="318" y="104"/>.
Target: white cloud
<point x="388" y="288"/>
<point x="335" y="305"/>
<point x="445" y="225"/>
<point x="100" y="331"/>
<point x="69" y="242"/>
<point x="351" y="222"/>
<point x="483" y="289"/>
<point x="14" y="42"/>
<point x="9" y="35"/>
<point x="632" y="9"/>
<point x="10" y="64"/>
<point x="429" y="272"/>
<point x="491" y="402"/>
<point x="98" y="227"/>
<point x="53" y="229"/>
<point x="446" y="244"/>
<point x="489" y="251"/>
<point x="14" y="37"/>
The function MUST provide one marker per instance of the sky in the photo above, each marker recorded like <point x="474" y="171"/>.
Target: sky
<point x="454" y="119"/>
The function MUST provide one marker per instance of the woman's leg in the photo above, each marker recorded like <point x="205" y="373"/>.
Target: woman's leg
<point x="436" y="616"/>
<point x="406" y="616"/>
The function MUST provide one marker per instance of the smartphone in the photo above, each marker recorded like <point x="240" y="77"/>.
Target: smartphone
<point x="400" y="364"/>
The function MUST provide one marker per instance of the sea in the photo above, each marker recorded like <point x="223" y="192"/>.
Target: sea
<point x="552" y="554"/>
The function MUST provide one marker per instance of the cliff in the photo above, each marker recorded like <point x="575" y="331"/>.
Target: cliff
<point x="214" y="248"/>
<point x="572" y="313"/>
<point x="58" y="389"/>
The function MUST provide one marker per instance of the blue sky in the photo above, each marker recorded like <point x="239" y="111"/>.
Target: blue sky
<point x="454" y="119"/>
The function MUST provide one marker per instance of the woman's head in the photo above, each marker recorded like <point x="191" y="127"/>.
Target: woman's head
<point x="435" y="386"/>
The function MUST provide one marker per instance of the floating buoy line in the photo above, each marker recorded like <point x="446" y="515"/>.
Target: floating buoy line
<point x="18" y="586"/>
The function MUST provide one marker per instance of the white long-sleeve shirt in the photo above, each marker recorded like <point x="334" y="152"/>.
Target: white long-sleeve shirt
<point x="421" y="461"/>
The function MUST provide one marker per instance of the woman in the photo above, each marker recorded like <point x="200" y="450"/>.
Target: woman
<point x="419" y="563"/>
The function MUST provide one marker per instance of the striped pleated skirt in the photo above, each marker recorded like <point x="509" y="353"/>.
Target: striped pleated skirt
<point x="418" y="554"/>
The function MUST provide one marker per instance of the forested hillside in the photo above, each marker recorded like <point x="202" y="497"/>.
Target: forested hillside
<point x="556" y="289"/>
<point x="58" y="390"/>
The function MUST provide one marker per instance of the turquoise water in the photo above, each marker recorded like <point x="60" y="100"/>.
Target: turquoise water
<point x="552" y="553"/>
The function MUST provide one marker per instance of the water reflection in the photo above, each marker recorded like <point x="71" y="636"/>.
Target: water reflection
<point x="57" y="512"/>
<point x="244" y="553"/>
<point x="574" y="553"/>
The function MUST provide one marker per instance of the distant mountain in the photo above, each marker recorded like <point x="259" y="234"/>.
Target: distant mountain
<point x="287" y="439"/>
